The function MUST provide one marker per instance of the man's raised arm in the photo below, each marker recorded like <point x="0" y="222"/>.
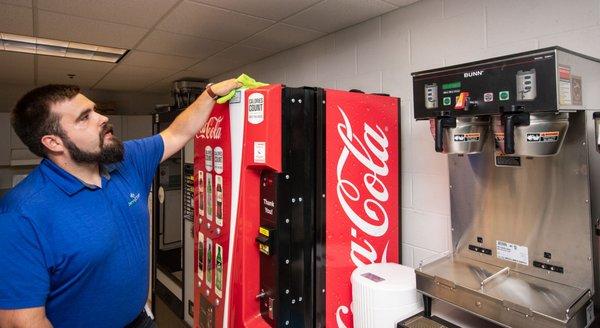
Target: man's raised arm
<point x="193" y="118"/>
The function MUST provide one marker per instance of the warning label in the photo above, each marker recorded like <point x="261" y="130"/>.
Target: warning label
<point x="512" y="252"/>
<point x="550" y="136"/>
<point x="467" y="137"/>
<point x="564" y="85"/>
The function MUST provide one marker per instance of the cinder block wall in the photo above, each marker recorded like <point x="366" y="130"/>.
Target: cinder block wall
<point x="379" y="55"/>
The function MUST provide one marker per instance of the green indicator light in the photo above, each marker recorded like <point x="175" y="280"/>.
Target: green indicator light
<point x="504" y="95"/>
<point x="451" y="85"/>
<point x="447" y="101"/>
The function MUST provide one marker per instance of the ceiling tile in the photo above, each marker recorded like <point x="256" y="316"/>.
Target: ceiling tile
<point x="71" y="28"/>
<point x="132" y="78"/>
<point x="56" y="70"/>
<point x="332" y="15"/>
<point x="116" y="11"/>
<point x="57" y="76"/>
<point x="270" y="9"/>
<point x="244" y="54"/>
<point x="49" y="62"/>
<point x="17" y="20"/>
<point x="214" y="66"/>
<point x="16" y="68"/>
<point x="181" y="45"/>
<point x="25" y="3"/>
<point x="165" y="84"/>
<point x="147" y="59"/>
<point x="229" y="59"/>
<point x="401" y="3"/>
<point x="281" y="36"/>
<point x="213" y="23"/>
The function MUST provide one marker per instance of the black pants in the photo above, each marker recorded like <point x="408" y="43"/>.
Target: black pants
<point x="142" y="321"/>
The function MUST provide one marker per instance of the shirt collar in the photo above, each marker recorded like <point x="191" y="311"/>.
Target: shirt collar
<point x="67" y="182"/>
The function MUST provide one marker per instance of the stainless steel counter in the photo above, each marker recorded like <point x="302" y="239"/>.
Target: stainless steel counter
<point x="515" y="298"/>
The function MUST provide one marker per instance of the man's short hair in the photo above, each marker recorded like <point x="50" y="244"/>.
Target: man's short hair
<point x="32" y="119"/>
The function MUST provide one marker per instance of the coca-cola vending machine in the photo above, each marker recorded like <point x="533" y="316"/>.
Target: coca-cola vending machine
<point x="294" y="187"/>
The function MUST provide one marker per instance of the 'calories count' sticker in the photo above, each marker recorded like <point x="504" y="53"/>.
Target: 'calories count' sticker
<point x="208" y="158"/>
<point x="256" y="108"/>
<point x="218" y="157"/>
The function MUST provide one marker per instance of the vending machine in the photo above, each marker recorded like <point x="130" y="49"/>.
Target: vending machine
<point x="294" y="188"/>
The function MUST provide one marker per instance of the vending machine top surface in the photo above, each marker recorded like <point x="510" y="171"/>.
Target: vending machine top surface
<point x="544" y="80"/>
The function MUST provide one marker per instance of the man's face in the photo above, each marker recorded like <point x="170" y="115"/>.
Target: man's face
<point x="87" y="135"/>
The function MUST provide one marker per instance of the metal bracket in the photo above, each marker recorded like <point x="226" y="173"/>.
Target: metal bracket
<point x="494" y="276"/>
<point x="510" y="306"/>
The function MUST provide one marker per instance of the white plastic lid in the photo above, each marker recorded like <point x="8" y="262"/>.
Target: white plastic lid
<point x="386" y="276"/>
<point x="384" y="285"/>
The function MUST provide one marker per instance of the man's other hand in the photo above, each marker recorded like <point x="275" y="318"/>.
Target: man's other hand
<point x="224" y="87"/>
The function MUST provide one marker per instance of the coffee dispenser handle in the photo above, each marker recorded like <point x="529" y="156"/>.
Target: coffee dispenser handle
<point x="510" y="121"/>
<point x="442" y="122"/>
<point x="596" y="117"/>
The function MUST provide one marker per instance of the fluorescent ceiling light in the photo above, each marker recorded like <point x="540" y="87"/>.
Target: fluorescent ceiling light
<point x="41" y="46"/>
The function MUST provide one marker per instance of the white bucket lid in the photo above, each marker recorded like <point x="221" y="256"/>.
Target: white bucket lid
<point x="384" y="285"/>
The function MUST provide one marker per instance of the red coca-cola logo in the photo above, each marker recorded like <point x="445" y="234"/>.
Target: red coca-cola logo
<point x="212" y="129"/>
<point x="369" y="220"/>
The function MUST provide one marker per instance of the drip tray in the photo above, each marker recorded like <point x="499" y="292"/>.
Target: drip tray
<point x="419" y="321"/>
<point x="507" y="297"/>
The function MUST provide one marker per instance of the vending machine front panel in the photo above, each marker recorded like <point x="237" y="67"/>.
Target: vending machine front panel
<point x="362" y="181"/>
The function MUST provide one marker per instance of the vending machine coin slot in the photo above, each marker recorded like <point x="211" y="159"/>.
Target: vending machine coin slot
<point x="264" y="240"/>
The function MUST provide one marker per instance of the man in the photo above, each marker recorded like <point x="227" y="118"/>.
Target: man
<point x="74" y="233"/>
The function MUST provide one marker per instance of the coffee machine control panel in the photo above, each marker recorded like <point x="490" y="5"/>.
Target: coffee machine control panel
<point x="524" y="83"/>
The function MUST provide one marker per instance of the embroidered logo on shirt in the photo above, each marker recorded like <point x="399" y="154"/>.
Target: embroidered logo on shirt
<point x="134" y="198"/>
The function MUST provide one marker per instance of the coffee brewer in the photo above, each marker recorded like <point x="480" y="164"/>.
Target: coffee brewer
<point x="520" y="136"/>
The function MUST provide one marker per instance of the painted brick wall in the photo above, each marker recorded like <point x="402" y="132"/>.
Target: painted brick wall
<point x="378" y="56"/>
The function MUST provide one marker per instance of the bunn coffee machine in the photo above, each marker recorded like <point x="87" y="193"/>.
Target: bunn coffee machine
<point x="519" y="134"/>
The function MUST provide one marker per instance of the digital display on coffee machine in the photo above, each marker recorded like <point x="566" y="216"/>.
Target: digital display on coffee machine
<point x="451" y="85"/>
<point x="488" y="87"/>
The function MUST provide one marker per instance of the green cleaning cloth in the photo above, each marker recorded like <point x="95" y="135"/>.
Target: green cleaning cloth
<point x="247" y="82"/>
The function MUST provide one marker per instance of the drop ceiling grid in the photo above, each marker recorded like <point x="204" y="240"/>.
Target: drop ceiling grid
<point x="252" y="32"/>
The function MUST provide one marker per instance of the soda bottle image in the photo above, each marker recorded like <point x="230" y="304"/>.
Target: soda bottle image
<point x="219" y="271"/>
<point x="200" y="255"/>
<point x="209" y="197"/>
<point x="219" y="217"/>
<point x="209" y="258"/>
<point x="201" y="193"/>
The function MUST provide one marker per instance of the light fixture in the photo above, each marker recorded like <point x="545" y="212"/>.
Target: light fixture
<point x="40" y="46"/>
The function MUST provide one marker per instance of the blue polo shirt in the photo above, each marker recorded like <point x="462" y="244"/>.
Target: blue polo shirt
<point x="81" y="251"/>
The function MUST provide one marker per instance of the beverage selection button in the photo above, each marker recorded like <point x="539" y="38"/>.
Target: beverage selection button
<point x="447" y="101"/>
<point x="504" y="95"/>
<point x="488" y="97"/>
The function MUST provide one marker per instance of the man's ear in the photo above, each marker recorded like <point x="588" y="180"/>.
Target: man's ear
<point x="53" y="143"/>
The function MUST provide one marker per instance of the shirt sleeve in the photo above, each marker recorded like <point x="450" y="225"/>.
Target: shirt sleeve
<point x="24" y="277"/>
<point x="145" y="155"/>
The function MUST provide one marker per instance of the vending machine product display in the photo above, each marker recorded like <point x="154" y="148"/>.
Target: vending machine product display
<point x="295" y="188"/>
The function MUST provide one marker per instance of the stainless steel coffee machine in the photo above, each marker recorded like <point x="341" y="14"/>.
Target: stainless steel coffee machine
<point x="519" y="134"/>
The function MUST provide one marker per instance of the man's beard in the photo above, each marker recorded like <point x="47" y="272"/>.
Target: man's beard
<point x="109" y="153"/>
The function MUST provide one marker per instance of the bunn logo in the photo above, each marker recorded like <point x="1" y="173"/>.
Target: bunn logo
<point x="473" y="73"/>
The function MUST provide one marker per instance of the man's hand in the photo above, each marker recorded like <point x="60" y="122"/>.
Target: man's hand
<point x="224" y="87"/>
<point x="24" y="318"/>
<point x="193" y="118"/>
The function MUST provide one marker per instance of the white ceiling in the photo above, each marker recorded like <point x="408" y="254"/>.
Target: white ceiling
<point x="169" y="39"/>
